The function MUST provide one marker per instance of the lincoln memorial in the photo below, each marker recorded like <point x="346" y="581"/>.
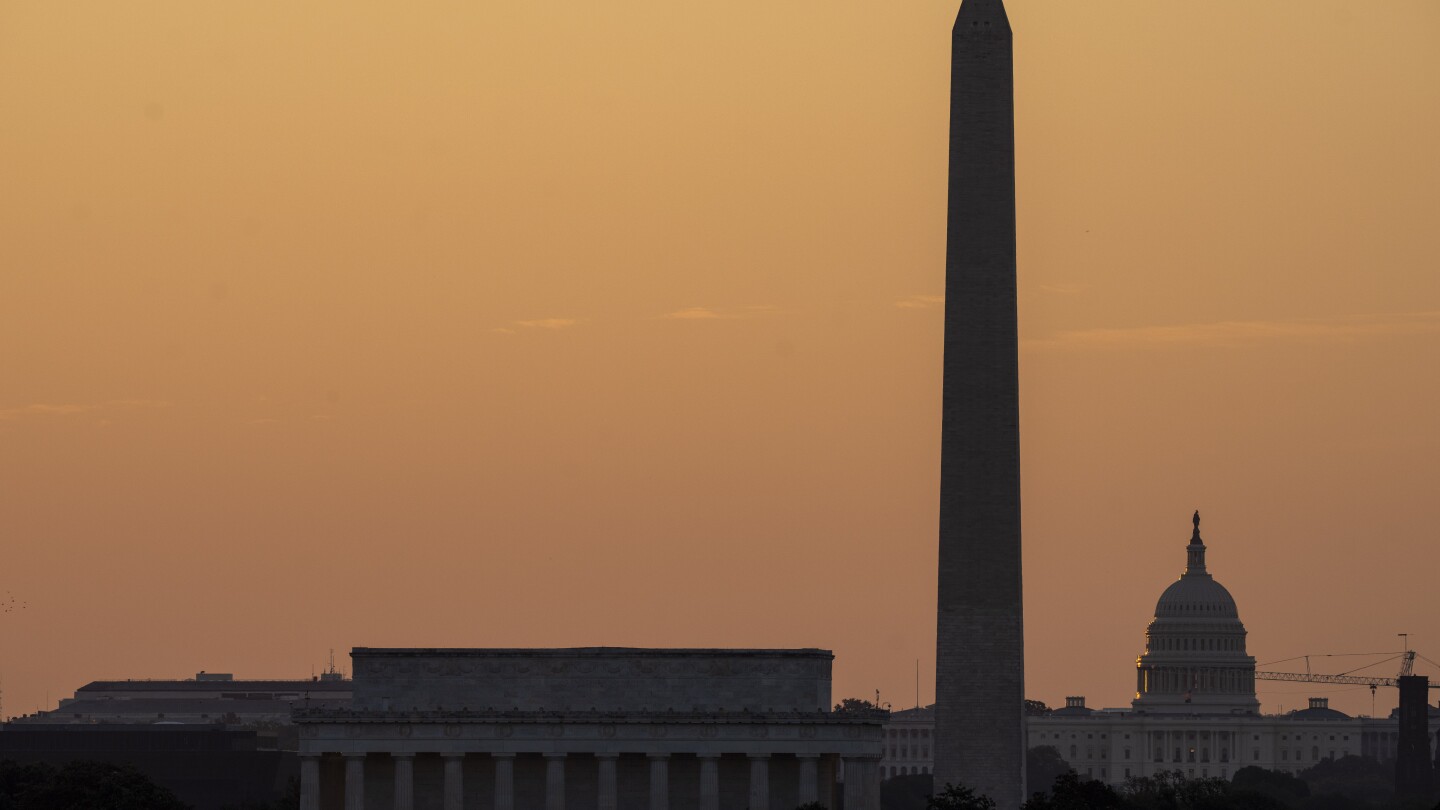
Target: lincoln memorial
<point x="596" y="728"/>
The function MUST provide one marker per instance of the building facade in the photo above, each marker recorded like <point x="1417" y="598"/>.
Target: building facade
<point x="909" y="742"/>
<point x="1114" y="745"/>
<point x="588" y="729"/>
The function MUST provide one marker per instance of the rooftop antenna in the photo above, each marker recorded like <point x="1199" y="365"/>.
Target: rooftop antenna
<point x="917" y="683"/>
<point x="332" y="674"/>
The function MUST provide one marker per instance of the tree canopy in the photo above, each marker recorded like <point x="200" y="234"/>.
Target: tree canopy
<point x="81" y="785"/>
<point x="959" y="797"/>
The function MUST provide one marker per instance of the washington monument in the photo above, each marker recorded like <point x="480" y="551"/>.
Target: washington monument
<point x="979" y="661"/>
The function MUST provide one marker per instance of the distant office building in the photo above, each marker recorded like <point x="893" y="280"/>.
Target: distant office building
<point x="1195" y="709"/>
<point x="207" y="699"/>
<point x="601" y="728"/>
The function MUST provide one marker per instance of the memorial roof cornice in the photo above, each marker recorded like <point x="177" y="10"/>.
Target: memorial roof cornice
<point x="332" y="715"/>
<point x="218" y="686"/>
<point x="589" y="652"/>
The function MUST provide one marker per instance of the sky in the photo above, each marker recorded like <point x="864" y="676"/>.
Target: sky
<point x="617" y="323"/>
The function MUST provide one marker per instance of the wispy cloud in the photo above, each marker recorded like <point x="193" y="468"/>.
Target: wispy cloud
<point x="548" y="323"/>
<point x="1236" y="334"/>
<point x="41" y="409"/>
<point x="693" y="314"/>
<point x="920" y="302"/>
<point x="713" y="314"/>
<point x="70" y="409"/>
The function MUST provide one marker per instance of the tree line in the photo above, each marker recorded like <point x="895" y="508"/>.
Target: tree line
<point x="1348" y="783"/>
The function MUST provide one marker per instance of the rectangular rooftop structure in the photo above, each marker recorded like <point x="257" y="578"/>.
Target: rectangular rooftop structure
<point x="605" y="679"/>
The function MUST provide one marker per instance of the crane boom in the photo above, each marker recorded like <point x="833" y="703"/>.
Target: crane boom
<point x="1407" y="667"/>
<point x="1308" y="678"/>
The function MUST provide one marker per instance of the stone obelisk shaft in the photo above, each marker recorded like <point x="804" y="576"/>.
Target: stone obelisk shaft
<point x="980" y="695"/>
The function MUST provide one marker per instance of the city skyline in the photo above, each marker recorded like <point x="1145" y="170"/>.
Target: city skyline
<point x="567" y="326"/>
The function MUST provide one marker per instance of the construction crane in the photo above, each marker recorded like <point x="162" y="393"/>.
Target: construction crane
<point x="1407" y="668"/>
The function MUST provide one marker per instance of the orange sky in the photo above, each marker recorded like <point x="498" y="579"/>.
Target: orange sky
<point x="580" y="322"/>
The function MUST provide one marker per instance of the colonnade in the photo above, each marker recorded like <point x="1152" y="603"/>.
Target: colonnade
<point x="1152" y="679"/>
<point x="861" y="781"/>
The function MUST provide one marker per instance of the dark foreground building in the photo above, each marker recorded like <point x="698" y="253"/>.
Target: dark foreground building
<point x="207" y="767"/>
<point x="979" y="661"/>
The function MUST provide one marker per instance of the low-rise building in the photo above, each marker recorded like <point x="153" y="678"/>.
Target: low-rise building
<point x="206" y="699"/>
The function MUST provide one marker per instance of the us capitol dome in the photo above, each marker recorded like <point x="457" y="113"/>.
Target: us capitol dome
<point x="1195" y="660"/>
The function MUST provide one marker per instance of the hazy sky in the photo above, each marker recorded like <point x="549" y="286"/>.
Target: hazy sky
<point x="511" y="323"/>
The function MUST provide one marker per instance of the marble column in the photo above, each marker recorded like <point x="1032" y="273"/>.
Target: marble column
<point x="404" y="781"/>
<point x="554" y="782"/>
<point x="853" y="789"/>
<point x="862" y="783"/>
<point x="354" y="782"/>
<point x="454" y="781"/>
<point x="309" y="782"/>
<point x="760" y="782"/>
<point x="809" y="778"/>
<point x="871" y="767"/>
<point x="607" y="786"/>
<point x="504" y="781"/>
<point x="709" y="782"/>
<point x="659" y="781"/>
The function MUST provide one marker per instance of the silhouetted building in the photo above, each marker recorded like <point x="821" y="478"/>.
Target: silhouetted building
<point x="979" y="660"/>
<point x="208" y="698"/>
<point x="1414" y="768"/>
<point x="207" y="767"/>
